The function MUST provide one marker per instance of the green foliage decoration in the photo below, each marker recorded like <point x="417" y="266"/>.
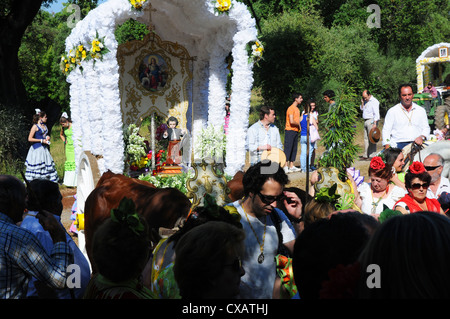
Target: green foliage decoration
<point x="340" y="130"/>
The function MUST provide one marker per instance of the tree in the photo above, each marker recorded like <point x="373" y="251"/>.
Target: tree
<point x="291" y="43"/>
<point x="15" y="17"/>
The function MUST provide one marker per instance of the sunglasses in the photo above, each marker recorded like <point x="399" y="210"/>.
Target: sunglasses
<point x="430" y="168"/>
<point x="267" y="199"/>
<point x="418" y="186"/>
<point x="236" y="265"/>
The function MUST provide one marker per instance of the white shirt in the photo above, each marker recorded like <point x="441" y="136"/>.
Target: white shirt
<point x="402" y="126"/>
<point x="444" y="186"/>
<point x="258" y="281"/>
<point x="371" y="109"/>
<point x="257" y="135"/>
<point x="368" y="202"/>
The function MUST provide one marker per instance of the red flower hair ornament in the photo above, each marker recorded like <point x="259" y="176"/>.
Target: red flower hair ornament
<point x="417" y="168"/>
<point x="377" y="163"/>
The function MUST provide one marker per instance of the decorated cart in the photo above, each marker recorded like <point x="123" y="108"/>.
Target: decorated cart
<point x="430" y="66"/>
<point x="179" y="69"/>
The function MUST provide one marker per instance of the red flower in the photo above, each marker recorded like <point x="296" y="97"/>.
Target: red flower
<point x="377" y="163"/>
<point x="342" y="282"/>
<point x="416" y="168"/>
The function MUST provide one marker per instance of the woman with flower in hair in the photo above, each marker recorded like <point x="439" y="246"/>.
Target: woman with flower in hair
<point x="39" y="162"/>
<point x="66" y="135"/>
<point x="379" y="192"/>
<point x="120" y="251"/>
<point x="417" y="181"/>
<point x="395" y="158"/>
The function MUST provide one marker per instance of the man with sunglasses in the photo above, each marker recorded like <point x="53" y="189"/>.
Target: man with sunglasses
<point x="434" y="165"/>
<point x="265" y="226"/>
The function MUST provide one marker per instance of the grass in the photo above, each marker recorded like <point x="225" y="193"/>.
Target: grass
<point x="57" y="150"/>
<point x="256" y="101"/>
<point x="17" y="166"/>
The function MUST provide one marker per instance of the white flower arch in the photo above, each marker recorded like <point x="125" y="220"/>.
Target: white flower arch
<point x="94" y="93"/>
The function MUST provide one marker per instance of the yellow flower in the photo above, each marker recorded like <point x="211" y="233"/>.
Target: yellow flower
<point x="223" y="5"/>
<point x="80" y="48"/>
<point x="137" y="3"/>
<point x="95" y="45"/>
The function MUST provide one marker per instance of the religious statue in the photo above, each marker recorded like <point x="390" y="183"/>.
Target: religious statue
<point x="179" y="143"/>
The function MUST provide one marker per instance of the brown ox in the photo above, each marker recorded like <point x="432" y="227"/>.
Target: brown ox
<point x="236" y="187"/>
<point x="161" y="207"/>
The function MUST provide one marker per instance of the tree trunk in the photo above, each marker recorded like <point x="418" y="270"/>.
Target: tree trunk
<point x="12" y="29"/>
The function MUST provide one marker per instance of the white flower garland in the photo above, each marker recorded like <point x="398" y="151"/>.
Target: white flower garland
<point x="95" y="97"/>
<point x="211" y="143"/>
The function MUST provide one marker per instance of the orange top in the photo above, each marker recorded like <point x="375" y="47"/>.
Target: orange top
<point x="292" y="110"/>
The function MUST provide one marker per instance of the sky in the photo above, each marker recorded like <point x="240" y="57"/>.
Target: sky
<point x="57" y="5"/>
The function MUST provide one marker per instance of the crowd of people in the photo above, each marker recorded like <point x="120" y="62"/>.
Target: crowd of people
<point x="276" y="242"/>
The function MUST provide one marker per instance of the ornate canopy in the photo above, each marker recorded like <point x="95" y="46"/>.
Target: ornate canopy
<point x="101" y="96"/>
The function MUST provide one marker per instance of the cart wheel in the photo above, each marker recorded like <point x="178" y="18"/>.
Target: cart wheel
<point x="88" y="176"/>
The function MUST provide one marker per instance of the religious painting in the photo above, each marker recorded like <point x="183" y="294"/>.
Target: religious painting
<point x="443" y="52"/>
<point x="153" y="72"/>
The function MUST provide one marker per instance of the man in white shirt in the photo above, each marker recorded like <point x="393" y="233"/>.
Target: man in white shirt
<point x="263" y="135"/>
<point x="264" y="226"/>
<point x="405" y="122"/>
<point x="434" y="164"/>
<point x="370" y="107"/>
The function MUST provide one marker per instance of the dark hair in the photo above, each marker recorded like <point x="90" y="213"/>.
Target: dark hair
<point x="385" y="173"/>
<point x="37" y="116"/>
<point x="201" y="254"/>
<point x="329" y="93"/>
<point x="201" y="215"/>
<point x="12" y="195"/>
<point x="257" y="174"/>
<point x="322" y="246"/>
<point x="119" y="253"/>
<point x="296" y="95"/>
<point x="391" y="154"/>
<point x="172" y="119"/>
<point x="264" y="110"/>
<point x="413" y="255"/>
<point x="65" y="120"/>
<point x="424" y="177"/>
<point x="44" y="194"/>
<point x="401" y="86"/>
<point x="302" y="195"/>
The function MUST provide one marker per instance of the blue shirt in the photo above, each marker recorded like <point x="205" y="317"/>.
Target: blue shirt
<point x="31" y="223"/>
<point x="22" y="257"/>
<point x="303" y="125"/>
<point x="257" y="135"/>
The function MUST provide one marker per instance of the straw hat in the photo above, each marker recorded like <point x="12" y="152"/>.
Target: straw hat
<point x="374" y="135"/>
<point x="275" y="155"/>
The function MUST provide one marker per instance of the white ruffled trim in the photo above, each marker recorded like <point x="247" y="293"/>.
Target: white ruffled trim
<point x="95" y="97"/>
